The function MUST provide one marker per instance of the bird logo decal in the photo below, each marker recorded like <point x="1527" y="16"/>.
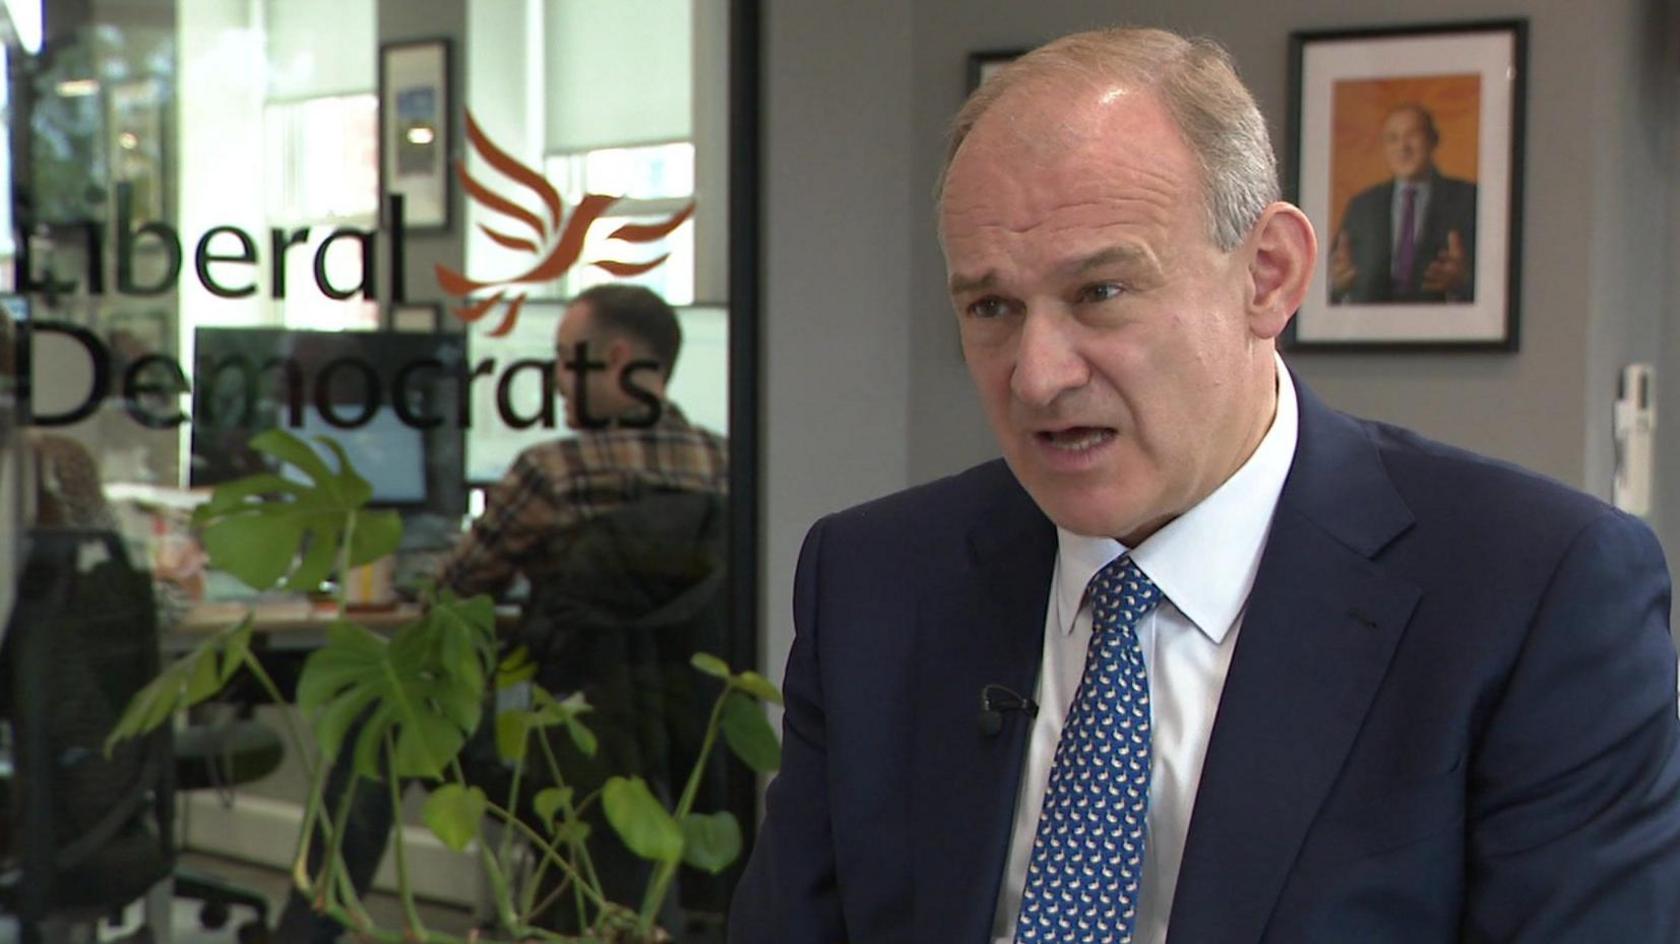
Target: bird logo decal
<point x="551" y="248"/>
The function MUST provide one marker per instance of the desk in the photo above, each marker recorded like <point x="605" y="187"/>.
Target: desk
<point x="295" y="624"/>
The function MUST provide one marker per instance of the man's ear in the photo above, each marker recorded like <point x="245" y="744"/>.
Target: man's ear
<point x="1282" y="252"/>
<point x="618" y="353"/>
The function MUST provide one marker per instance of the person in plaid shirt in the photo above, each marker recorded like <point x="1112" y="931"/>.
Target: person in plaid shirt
<point x="615" y="347"/>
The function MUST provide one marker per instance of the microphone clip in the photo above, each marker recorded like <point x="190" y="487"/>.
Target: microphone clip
<point x="997" y="699"/>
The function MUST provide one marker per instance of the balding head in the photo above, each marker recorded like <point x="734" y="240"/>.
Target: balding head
<point x="1199" y="87"/>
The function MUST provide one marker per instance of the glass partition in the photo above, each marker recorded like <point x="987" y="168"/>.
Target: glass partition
<point x="497" y="256"/>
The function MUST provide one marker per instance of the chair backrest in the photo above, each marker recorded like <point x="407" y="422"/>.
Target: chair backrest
<point x="625" y="601"/>
<point x="93" y="831"/>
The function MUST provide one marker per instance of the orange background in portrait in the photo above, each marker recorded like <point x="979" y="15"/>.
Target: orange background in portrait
<point x="1358" y="108"/>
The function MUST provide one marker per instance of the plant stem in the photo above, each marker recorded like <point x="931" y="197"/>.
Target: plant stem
<point x="399" y="848"/>
<point x="578" y="849"/>
<point x="293" y="735"/>
<point x="548" y="851"/>
<point x="334" y="856"/>
<point x="512" y="800"/>
<point x="572" y="812"/>
<point x="666" y="871"/>
<point x="306" y="837"/>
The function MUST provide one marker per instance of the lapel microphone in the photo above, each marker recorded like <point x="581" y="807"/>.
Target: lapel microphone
<point x="997" y="699"/>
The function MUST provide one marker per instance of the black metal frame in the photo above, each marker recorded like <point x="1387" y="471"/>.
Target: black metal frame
<point x="447" y="47"/>
<point x="745" y="326"/>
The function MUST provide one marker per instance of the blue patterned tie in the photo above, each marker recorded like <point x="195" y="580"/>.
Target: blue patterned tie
<point x="1087" y="856"/>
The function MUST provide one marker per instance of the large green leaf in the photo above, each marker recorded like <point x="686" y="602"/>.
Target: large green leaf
<point x="711" y="842"/>
<point x="749" y="734"/>
<point x="640" y="820"/>
<point x="268" y="530"/>
<point x="423" y="688"/>
<point x="184" y="683"/>
<point x="453" y="812"/>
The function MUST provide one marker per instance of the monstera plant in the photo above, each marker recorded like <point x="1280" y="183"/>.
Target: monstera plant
<point x="410" y="699"/>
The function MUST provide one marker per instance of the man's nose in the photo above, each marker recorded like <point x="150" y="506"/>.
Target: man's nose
<point x="1047" y="359"/>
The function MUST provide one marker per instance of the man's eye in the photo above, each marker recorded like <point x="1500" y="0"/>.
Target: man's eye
<point x="1103" y="292"/>
<point x="989" y="307"/>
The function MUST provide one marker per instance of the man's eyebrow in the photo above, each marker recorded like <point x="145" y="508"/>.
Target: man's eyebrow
<point x="963" y="284"/>
<point x="1120" y="254"/>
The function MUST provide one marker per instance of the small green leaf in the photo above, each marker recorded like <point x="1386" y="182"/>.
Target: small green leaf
<point x="581" y="735"/>
<point x="711" y="665"/>
<point x="574" y="831"/>
<point x="757" y="686"/>
<point x="453" y="812"/>
<point x="749" y="734"/>
<point x="639" y="819"/>
<point x="711" y="843"/>
<point x="548" y="802"/>
<point x="512" y="734"/>
<point x="516" y="667"/>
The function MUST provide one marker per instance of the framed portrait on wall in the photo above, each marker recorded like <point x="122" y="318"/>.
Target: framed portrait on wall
<point x="415" y="103"/>
<point x="982" y="64"/>
<point x="1407" y="158"/>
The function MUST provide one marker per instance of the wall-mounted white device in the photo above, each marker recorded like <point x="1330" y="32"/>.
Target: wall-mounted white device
<point x="1635" y="425"/>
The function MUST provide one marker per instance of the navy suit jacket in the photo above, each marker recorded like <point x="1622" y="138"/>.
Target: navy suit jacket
<point x="1450" y="715"/>
<point x="1368" y="225"/>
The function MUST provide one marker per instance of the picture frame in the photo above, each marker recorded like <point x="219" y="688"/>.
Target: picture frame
<point x="414" y="317"/>
<point x="416" y="104"/>
<point x="982" y="64"/>
<point x="1419" y="129"/>
<point x="138" y="146"/>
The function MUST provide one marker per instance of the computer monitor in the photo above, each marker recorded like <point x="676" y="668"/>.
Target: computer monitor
<point x="388" y="398"/>
<point x="387" y="452"/>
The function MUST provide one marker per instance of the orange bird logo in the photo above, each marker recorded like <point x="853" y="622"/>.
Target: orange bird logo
<point x="553" y="248"/>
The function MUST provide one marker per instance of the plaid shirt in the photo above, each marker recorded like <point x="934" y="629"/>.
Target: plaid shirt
<point x="558" y="485"/>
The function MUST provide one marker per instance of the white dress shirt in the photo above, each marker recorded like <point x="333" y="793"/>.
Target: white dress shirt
<point x="1204" y="562"/>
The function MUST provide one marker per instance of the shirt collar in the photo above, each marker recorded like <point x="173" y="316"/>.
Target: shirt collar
<point x="1204" y="560"/>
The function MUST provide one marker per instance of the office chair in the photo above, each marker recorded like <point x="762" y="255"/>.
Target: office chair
<point x="625" y="602"/>
<point x="91" y="832"/>
<point x="219" y="756"/>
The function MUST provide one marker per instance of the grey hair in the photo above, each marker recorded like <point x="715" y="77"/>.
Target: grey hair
<point x="1197" y="82"/>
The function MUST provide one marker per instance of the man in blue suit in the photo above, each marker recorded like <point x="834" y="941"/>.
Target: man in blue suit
<point x="1411" y="238"/>
<point x="1246" y="669"/>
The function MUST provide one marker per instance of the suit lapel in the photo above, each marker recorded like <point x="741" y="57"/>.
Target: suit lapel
<point x="987" y="629"/>
<point x="1321" y="625"/>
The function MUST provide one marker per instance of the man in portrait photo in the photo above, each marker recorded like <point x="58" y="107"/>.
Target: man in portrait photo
<point x="1201" y="659"/>
<point x="1411" y="238"/>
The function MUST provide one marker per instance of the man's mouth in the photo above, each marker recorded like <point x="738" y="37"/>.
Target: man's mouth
<point x="1075" y="438"/>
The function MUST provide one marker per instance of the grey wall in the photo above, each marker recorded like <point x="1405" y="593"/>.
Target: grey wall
<point x="1595" y="231"/>
<point x="836" y="234"/>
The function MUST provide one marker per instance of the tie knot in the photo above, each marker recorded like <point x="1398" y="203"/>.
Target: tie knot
<point x="1120" y="595"/>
